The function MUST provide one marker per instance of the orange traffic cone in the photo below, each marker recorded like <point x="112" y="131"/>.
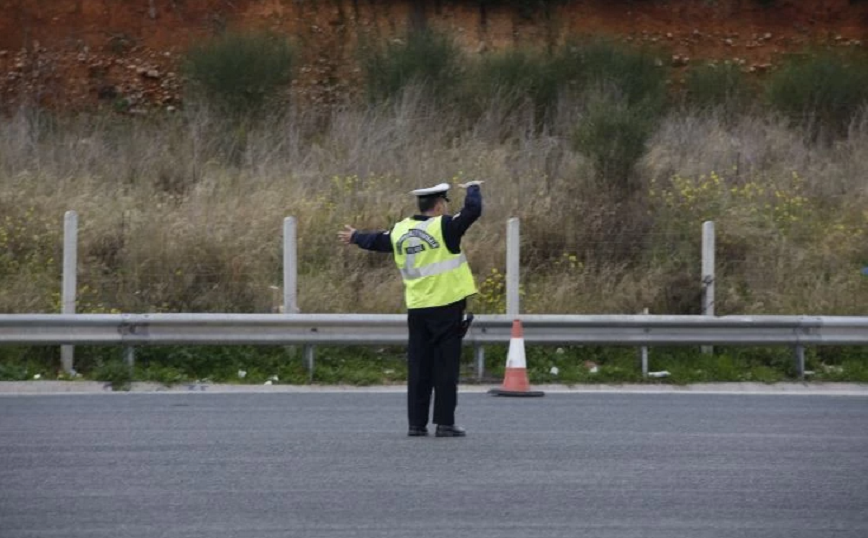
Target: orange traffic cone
<point x="515" y="381"/>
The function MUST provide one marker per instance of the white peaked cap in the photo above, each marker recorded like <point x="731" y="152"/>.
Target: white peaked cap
<point x="430" y="191"/>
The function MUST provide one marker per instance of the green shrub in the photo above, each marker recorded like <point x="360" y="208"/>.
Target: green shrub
<point x="115" y="371"/>
<point x="422" y="58"/>
<point x="625" y="92"/>
<point x="240" y="72"/>
<point x="716" y="86"/>
<point x="635" y="74"/>
<point x="16" y="364"/>
<point x="613" y="135"/>
<point x="821" y="91"/>
<point x="515" y="77"/>
<point x="527" y="9"/>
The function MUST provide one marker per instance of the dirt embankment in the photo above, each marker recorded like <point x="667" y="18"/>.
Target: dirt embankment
<point x="79" y="52"/>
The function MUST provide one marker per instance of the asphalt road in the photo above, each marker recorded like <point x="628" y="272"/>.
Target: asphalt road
<point x="339" y="464"/>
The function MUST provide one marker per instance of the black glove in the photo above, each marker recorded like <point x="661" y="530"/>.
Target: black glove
<point x="465" y="324"/>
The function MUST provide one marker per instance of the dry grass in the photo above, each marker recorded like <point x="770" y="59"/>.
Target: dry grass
<point x="184" y="213"/>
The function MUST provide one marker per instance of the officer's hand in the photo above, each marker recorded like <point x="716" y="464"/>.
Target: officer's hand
<point x="345" y="236"/>
<point x="470" y="184"/>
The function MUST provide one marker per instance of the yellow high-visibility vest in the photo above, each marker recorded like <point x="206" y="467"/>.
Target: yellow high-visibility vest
<point x="432" y="275"/>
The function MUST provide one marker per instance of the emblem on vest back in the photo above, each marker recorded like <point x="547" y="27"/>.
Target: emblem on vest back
<point x="415" y="249"/>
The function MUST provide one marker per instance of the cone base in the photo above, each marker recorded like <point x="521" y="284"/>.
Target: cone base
<point x="517" y="394"/>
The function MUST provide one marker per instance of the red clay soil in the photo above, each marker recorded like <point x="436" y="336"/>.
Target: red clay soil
<point x="72" y="53"/>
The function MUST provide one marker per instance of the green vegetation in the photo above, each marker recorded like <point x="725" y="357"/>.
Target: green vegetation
<point x="424" y="60"/>
<point x="241" y="72"/>
<point x="116" y="372"/>
<point x="509" y="80"/>
<point x="623" y="90"/>
<point x="526" y="8"/>
<point x="363" y="366"/>
<point x="613" y="135"/>
<point x="822" y="91"/>
<point x="183" y="212"/>
<point x="632" y="74"/>
<point x="718" y="86"/>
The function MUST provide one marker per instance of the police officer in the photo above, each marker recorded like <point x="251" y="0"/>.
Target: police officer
<point x="437" y="282"/>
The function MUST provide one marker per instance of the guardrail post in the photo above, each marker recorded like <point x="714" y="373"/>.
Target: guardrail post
<point x="708" y="273"/>
<point x="130" y="356"/>
<point x="479" y="352"/>
<point x="800" y="361"/>
<point x="513" y="239"/>
<point x="309" y="359"/>
<point x="70" y="267"/>
<point x="290" y="267"/>
<point x="643" y="354"/>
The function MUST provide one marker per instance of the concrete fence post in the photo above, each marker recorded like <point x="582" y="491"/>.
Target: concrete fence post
<point x="68" y="287"/>
<point x="708" y="276"/>
<point x="513" y="277"/>
<point x="290" y="266"/>
<point x="290" y="285"/>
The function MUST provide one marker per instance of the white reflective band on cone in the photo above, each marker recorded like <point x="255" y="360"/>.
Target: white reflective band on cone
<point x="515" y="356"/>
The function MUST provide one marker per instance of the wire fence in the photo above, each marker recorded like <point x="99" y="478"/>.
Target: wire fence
<point x="606" y="272"/>
<point x="629" y="271"/>
<point x="168" y="272"/>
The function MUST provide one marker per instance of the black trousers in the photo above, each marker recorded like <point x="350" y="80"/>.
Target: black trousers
<point x="433" y="362"/>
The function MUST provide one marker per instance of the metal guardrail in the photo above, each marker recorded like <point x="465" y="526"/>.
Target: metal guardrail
<point x="345" y="329"/>
<point x="132" y="330"/>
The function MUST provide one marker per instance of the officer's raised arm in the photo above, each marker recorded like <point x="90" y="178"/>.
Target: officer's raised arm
<point x="457" y="225"/>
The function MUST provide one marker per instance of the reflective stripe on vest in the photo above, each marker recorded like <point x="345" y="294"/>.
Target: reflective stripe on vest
<point x="408" y="272"/>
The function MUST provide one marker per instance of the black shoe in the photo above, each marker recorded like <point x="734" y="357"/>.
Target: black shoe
<point x="449" y="431"/>
<point x="417" y="431"/>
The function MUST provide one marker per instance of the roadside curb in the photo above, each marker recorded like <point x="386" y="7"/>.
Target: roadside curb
<point x="24" y="388"/>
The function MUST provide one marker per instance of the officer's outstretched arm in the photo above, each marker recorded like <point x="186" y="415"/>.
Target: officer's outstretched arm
<point x="376" y="241"/>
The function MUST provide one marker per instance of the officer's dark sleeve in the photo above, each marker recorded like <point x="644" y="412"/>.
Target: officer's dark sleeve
<point x="454" y="227"/>
<point x="376" y="241"/>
